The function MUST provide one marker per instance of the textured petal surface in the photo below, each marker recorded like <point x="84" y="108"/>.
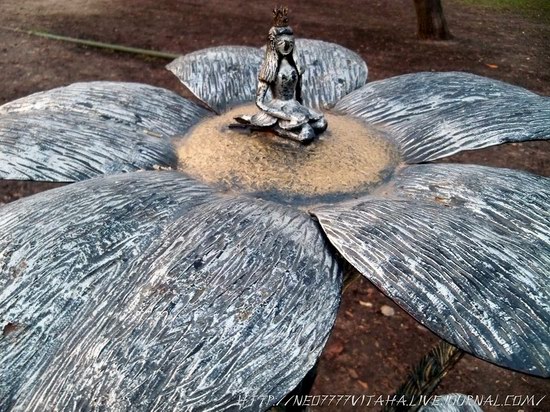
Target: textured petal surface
<point x="331" y="72"/>
<point x="226" y="76"/>
<point x="465" y="250"/>
<point x="222" y="76"/>
<point x="145" y="291"/>
<point x="434" y="115"/>
<point x="88" y="129"/>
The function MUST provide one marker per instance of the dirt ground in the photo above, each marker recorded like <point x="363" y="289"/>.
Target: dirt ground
<point x="368" y="353"/>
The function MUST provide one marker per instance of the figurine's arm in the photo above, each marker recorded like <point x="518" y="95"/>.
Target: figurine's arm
<point x="299" y="89"/>
<point x="261" y="91"/>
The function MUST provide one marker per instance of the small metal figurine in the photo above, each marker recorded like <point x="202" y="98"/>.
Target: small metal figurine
<point x="284" y="113"/>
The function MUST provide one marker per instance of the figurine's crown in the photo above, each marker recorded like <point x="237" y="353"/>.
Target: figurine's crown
<point x="280" y="16"/>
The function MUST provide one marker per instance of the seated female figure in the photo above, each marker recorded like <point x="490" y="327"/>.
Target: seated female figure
<point x="280" y="74"/>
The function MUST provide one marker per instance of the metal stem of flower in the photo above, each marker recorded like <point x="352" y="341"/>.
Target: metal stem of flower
<point x="425" y="377"/>
<point x="350" y="276"/>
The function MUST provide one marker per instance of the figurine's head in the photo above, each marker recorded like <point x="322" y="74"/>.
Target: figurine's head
<point x="281" y="35"/>
<point x="280" y="44"/>
<point x="283" y="43"/>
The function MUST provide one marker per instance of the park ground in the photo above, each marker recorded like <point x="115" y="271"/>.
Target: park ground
<point x="368" y="353"/>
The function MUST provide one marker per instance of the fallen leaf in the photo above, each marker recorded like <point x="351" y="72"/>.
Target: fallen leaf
<point x="353" y="373"/>
<point x="334" y="349"/>
<point x="364" y="385"/>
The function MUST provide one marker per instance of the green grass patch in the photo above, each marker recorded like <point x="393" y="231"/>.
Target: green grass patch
<point x="534" y="9"/>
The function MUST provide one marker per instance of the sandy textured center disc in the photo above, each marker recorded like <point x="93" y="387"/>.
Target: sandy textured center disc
<point x="349" y="158"/>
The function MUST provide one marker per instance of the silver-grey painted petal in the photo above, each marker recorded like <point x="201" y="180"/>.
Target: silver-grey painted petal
<point x="222" y="76"/>
<point x="88" y="129"/>
<point x="145" y="291"/>
<point x="226" y="76"/>
<point x="331" y="72"/>
<point x="465" y="250"/>
<point x="434" y="115"/>
<point x="454" y="402"/>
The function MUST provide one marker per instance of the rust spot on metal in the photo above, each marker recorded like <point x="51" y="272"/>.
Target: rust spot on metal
<point x="19" y="269"/>
<point x="11" y="327"/>
<point x="243" y="315"/>
<point x="442" y="201"/>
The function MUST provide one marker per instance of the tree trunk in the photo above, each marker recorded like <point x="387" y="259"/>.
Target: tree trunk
<point x="431" y="22"/>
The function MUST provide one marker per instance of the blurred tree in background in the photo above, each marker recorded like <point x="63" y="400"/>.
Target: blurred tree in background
<point x="431" y="24"/>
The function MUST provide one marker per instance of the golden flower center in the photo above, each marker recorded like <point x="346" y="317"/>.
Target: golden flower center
<point x="348" y="159"/>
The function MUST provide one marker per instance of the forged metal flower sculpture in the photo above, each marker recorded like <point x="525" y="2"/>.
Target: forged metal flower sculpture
<point x="215" y="285"/>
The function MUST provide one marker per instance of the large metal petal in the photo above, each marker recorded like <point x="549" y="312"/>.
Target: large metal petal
<point x="331" y="72"/>
<point x="465" y="250"/>
<point x="145" y="291"/>
<point x="226" y="76"/>
<point x="221" y="77"/>
<point x="88" y="129"/>
<point x="434" y="115"/>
